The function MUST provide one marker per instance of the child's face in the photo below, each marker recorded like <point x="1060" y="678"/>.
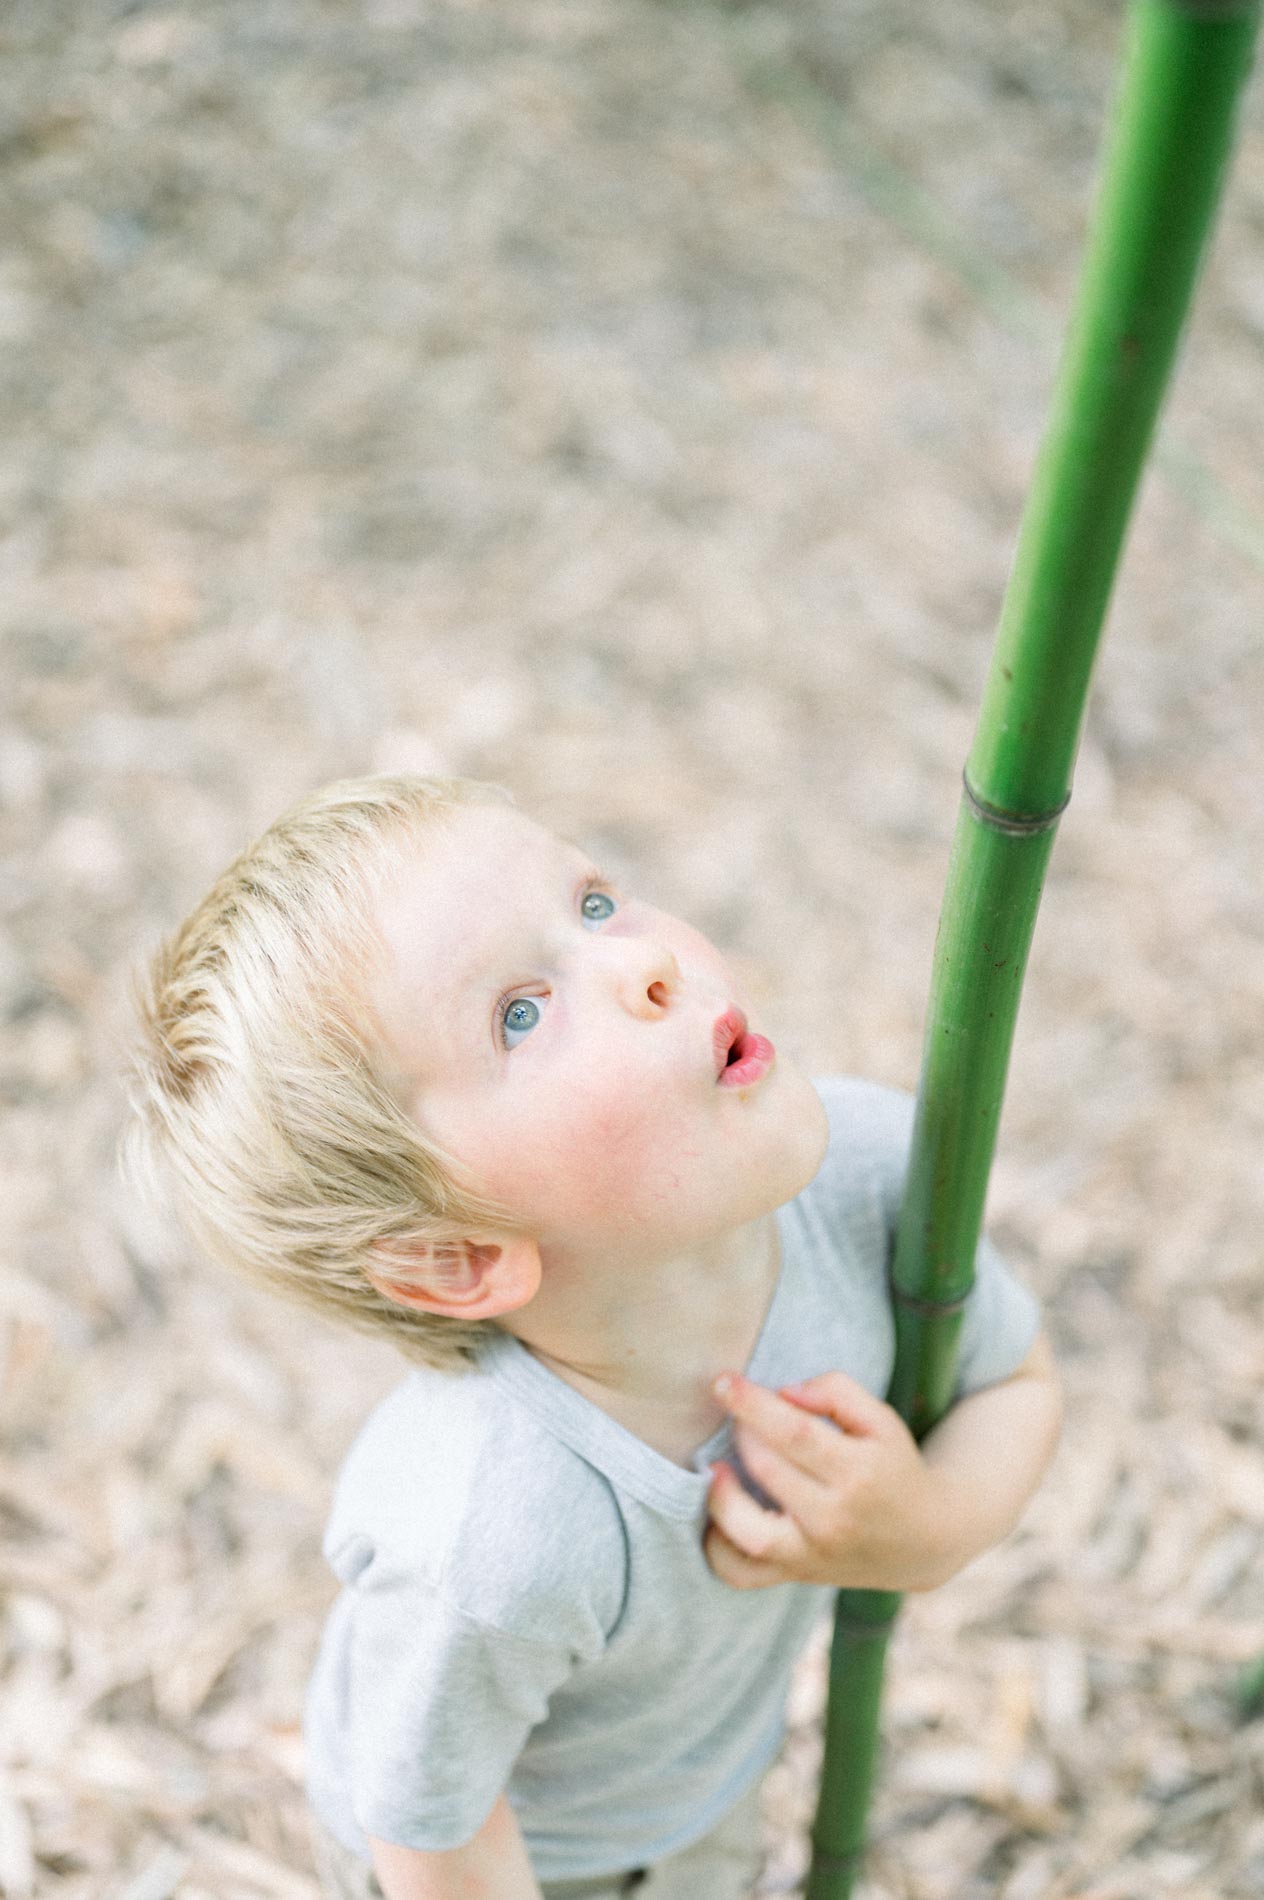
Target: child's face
<point x="558" y="1039"/>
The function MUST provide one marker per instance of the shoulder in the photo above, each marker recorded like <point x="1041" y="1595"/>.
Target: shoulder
<point x="452" y="1485"/>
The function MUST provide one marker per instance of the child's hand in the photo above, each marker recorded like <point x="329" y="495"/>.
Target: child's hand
<point x="860" y="1509"/>
<point x="862" y="1505"/>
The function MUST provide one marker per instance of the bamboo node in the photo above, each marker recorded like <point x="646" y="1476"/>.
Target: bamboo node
<point x="859" y="1629"/>
<point x="924" y="1306"/>
<point x="1015" y="823"/>
<point x="835" y="1864"/>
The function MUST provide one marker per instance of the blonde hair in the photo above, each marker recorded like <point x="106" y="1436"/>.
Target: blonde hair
<point x="261" y="1112"/>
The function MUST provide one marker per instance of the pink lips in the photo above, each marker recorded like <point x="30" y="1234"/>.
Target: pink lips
<point x="753" y="1056"/>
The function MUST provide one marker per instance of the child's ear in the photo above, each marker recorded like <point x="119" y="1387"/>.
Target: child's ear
<point x="477" y="1278"/>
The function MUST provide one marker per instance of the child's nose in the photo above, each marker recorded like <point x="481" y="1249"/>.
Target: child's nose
<point x="648" y="976"/>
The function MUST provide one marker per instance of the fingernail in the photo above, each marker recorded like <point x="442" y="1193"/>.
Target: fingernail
<point x="723" y="1385"/>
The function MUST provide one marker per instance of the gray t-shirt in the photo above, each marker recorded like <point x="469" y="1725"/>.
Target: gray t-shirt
<point x="526" y="1605"/>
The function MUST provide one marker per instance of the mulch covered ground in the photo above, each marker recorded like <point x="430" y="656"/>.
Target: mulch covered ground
<point x="632" y="402"/>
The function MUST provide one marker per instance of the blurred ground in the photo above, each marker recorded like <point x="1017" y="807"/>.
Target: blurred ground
<point x="634" y="403"/>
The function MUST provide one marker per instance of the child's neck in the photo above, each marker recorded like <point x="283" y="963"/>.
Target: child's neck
<point x="645" y="1344"/>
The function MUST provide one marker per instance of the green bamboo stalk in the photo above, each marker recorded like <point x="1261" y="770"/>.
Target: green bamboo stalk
<point x="1185" y="65"/>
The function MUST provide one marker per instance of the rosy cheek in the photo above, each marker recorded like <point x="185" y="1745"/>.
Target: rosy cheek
<point x="599" y="1137"/>
<point x="599" y="1124"/>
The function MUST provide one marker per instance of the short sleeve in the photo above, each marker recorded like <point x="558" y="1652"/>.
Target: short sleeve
<point x="874" y="1125"/>
<point x="1000" y="1324"/>
<point x="439" y="1707"/>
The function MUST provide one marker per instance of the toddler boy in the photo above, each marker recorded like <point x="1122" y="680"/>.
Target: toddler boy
<point x="417" y="1061"/>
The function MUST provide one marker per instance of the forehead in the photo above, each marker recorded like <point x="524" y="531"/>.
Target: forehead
<point x="472" y="865"/>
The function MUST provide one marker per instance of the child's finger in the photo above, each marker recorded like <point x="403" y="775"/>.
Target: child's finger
<point x="836" y="1396"/>
<point x="733" y="1567"/>
<point x="794" y="1490"/>
<point x="809" y="1443"/>
<point x="768" y="1536"/>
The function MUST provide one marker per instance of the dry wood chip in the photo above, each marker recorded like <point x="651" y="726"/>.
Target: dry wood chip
<point x="159" y="1878"/>
<point x="243" y="1863"/>
<point x="17" y="1860"/>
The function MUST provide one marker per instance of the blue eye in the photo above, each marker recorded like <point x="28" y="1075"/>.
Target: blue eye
<point x="520" y="1015"/>
<point x="591" y="909"/>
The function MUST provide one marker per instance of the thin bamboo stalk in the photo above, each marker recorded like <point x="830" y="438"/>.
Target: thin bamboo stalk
<point x="1185" y="65"/>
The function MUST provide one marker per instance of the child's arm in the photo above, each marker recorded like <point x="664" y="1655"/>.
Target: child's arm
<point x="494" y="1863"/>
<point x="864" y="1506"/>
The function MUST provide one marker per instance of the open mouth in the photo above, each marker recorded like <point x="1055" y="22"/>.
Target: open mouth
<point x="742" y="1057"/>
<point x="727" y="1037"/>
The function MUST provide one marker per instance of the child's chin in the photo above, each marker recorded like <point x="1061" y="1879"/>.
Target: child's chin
<point x="807" y="1127"/>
